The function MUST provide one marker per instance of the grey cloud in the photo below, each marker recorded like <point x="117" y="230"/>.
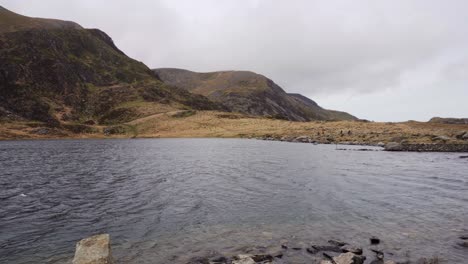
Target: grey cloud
<point x="318" y="48"/>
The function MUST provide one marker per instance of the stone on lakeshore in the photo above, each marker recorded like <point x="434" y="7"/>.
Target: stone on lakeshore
<point x="381" y="144"/>
<point x="346" y="258"/>
<point x="243" y="259"/>
<point x="262" y="258"/>
<point x="355" y="250"/>
<point x="93" y="250"/>
<point x="312" y="250"/>
<point x="218" y="259"/>
<point x="328" y="248"/>
<point x="374" y="240"/>
<point x="393" y="146"/>
<point x="378" y="254"/>
<point x="303" y="139"/>
<point x="275" y="251"/>
<point x="337" y="242"/>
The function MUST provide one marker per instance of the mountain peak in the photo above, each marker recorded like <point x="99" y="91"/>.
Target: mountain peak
<point x="11" y="22"/>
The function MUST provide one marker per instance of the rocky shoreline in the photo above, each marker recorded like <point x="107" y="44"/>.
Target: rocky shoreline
<point x="391" y="146"/>
<point x="97" y="250"/>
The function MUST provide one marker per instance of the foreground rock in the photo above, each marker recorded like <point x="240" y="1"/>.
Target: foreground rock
<point x="93" y="250"/>
<point x="352" y="249"/>
<point x="96" y="250"/>
<point x="346" y="258"/>
<point x="243" y="259"/>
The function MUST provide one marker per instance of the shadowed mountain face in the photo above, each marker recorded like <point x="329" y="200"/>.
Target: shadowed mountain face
<point x="249" y="93"/>
<point x="52" y="70"/>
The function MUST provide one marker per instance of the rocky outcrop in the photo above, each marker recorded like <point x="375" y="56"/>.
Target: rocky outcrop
<point x="442" y="120"/>
<point x="93" y="250"/>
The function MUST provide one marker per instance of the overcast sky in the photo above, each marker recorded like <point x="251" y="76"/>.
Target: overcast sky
<point x="379" y="60"/>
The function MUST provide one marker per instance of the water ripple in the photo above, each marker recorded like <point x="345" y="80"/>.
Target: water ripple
<point x="163" y="200"/>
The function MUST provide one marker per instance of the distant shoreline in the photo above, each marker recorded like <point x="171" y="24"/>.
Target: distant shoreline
<point x="405" y="136"/>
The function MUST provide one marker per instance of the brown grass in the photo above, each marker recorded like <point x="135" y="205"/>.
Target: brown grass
<point x="227" y="125"/>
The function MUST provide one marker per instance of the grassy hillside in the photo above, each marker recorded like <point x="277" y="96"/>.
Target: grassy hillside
<point x="56" y="71"/>
<point x="249" y="93"/>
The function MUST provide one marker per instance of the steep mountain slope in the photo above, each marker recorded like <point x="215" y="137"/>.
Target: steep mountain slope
<point x="56" y="71"/>
<point x="249" y="93"/>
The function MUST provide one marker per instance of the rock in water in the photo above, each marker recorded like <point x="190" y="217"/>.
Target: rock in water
<point x="374" y="240"/>
<point x="337" y="242"/>
<point x="93" y="250"/>
<point x="355" y="250"/>
<point x="378" y="254"/>
<point x="347" y="258"/>
<point x="243" y="259"/>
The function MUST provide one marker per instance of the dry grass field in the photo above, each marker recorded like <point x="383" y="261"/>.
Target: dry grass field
<point x="187" y="123"/>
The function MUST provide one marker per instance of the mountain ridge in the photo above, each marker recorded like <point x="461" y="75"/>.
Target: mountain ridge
<point x="249" y="93"/>
<point x="54" y="71"/>
<point x="58" y="72"/>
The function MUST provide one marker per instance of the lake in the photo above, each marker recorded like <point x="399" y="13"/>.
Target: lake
<point x="167" y="200"/>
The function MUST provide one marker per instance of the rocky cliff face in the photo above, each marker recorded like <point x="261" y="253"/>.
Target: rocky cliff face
<point x="249" y="93"/>
<point x="55" y="71"/>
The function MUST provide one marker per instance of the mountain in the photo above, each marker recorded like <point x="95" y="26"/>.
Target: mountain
<point x="57" y="71"/>
<point x="249" y="93"/>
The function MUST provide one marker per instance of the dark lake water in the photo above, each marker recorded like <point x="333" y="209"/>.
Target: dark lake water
<point x="165" y="200"/>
